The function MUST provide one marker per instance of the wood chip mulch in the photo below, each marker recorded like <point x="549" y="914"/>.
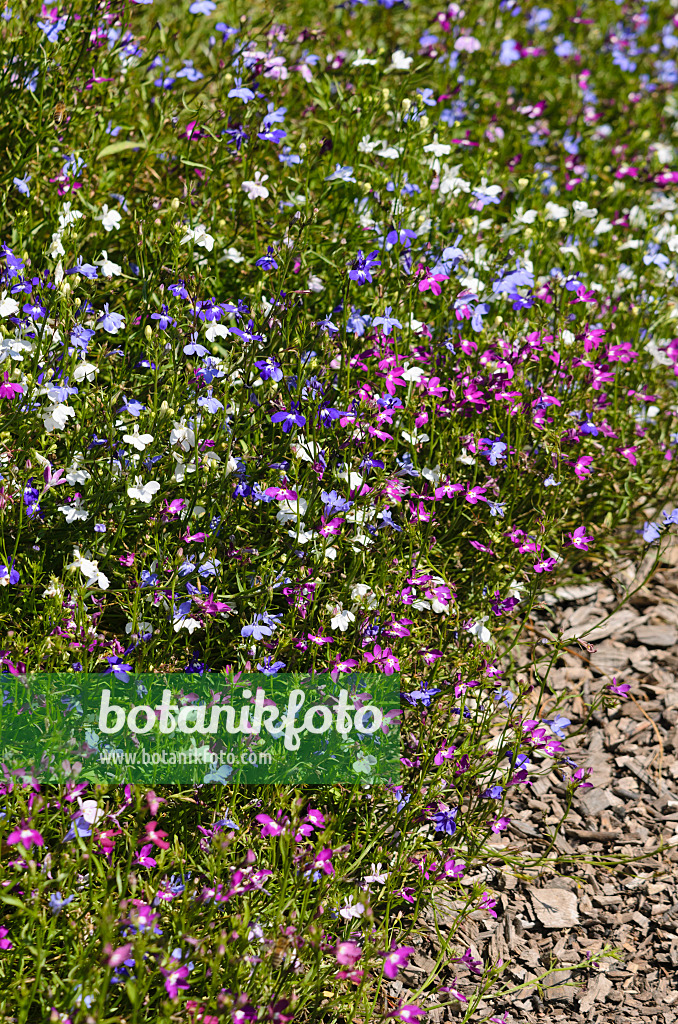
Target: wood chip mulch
<point x="605" y="881"/>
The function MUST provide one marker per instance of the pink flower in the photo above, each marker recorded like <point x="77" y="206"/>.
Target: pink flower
<point x="144" y="859"/>
<point x="396" y="959"/>
<point x="324" y="862"/>
<point x="27" y="836"/>
<point x="582" y="466"/>
<point x="5" y="943"/>
<point x="431" y="281"/>
<point x="175" y="980"/>
<point x="488" y="903"/>
<point x="410" y="1013"/>
<point x="348" y="953"/>
<point x="469" y="44"/>
<point x="629" y="454"/>
<point x="545" y="565"/>
<point x="270" y="827"/>
<point x="500" y="824"/>
<point x="475" y="495"/>
<point x="116" y="957"/>
<point x="579" y="540"/>
<point x="156" y="836"/>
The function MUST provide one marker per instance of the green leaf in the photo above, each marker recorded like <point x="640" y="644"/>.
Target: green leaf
<point x="120" y="147"/>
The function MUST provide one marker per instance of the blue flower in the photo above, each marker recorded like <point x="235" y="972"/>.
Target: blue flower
<point x="340" y="174"/>
<point x="446" y="821"/>
<point x="21" y="185"/>
<point x="202" y="7"/>
<point x="57" y="902"/>
<point x="387" y="321"/>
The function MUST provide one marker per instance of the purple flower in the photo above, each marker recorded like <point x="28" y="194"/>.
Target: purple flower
<point x="175" y="980"/>
<point x="202" y="7"/>
<point x="651" y="532"/>
<point x="269" y="369"/>
<point x="53" y="28"/>
<point x="387" y="321"/>
<point x="446" y="821"/>
<point x="111" y="322"/>
<point x="21" y="185"/>
<point x="268" y="261"/>
<point x="240" y="92"/>
<point x="270" y="667"/>
<point x="57" y="902"/>
<point x="395" y="960"/>
<point x="360" y="272"/>
<point x="289" y="419"/>
<point x="119" y="668"/>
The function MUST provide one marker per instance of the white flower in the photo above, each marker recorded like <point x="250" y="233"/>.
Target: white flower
<point x="255" y="189"/>
<point x="56" y="416"/>
<point x="431" y="474"/>
<point x="364" y="764"/>
<point x="525" y="216"/>
<point x="110" y="219"/>
<point x="184" y="435"/>
<point x="143" y="492"/>
<point x="438" y="148"/>
<point x="142" y="627"/>
<point x="233" y="255"/>
<point x="85" y="370"/>
<point x="350" y="910"/>
<point x="451" y="182"/>
<point x="74" y="511"/>
<point x="602" y="227"/>
<point x="90" y="811"/>
<point x="216" y="330"/>
<point x="56" y="248"/>
<point x="415" y="437"/>
<point x="377" y="875"/>
<point x="361" y="593"/>
<point x="341" y="617"/>
<point x="67" y="217"/>
<point x="137" y="440"/>
<point x="414" y="373"/>
<point x="55" y="588"/>
<point x="315" y="284"/>
<point x="368" y="146"/>
<point x="481" y="631"/>
<point x="89" y="569"/>
<point x="399" y="62"/>
<point x="8" y="307"/>
<point x="200" y="236"/>
<point x="361" y="59"/>
<point x="555" y="212"/>
<point x="108" y="267"/>
<point x="182" y="468"/>
<point x="582" y="210"/>
<point x="290" y="509"/>
<point x="389" y="152"/>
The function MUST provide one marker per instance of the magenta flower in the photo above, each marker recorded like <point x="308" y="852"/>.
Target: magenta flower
<point x="431" y="281"/>
<point x="629" y="454"/>
<point x="475" y="494"/>
<point x="410" y="1013"/>
<point x="579" y="540"/>
<point x="395" y="960"/>
<point x="8" y="390"/>
<point x="116" y="957"/>
<point x="324" y="862"/>
<point x="348" y="953"/>
<point x="175" y="980"/>
<point x="144" y="859"/>
<point x="27" y="836"/>
<point x="269" y="826"/>
<point x="582" y="466"/>
<point x="5" y="943"/>
<point x="156" y="836"/>
<point x="621" y="689"/>
<point x="500" y="824"/>
<point x="488" y="903"/>
<point x="545" y="565"/>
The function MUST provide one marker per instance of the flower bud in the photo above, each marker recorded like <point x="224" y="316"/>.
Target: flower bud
<point x="148" y="331"/>
<point x="406" y="104"/>
<point x="424" y="122"/>
<point x="175" y="204"/>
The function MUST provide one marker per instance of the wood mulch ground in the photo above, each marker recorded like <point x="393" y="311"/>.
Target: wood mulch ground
<point x="605" y="882"/>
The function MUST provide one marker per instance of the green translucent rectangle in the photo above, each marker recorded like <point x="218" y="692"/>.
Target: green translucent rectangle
<point x="179" y="729"/>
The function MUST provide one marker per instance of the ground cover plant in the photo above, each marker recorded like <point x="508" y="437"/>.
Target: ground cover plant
<point x="330" y="340"/>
